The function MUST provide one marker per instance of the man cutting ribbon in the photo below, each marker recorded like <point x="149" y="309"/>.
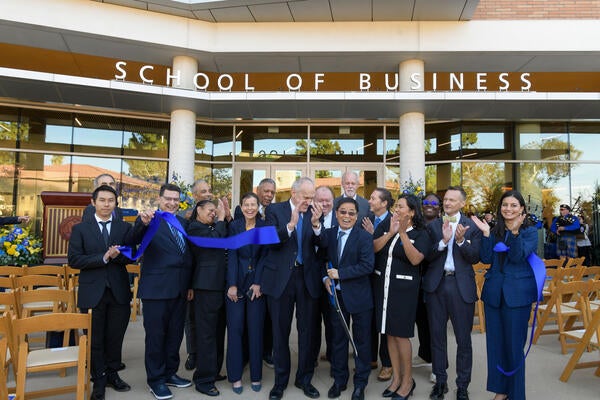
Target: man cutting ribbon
<point x="350" y="252"/>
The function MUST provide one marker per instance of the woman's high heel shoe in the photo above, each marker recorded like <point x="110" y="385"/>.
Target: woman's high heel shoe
<point x="396" y="396"/>
<point x="389" y="393"/>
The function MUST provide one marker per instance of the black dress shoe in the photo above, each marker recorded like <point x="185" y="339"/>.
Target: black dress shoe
<point x="438" y="391"/>
<point x="276" y="393"/>
<point x="388" y="392"/>
<point x="462" y="394"/>
<point x="358" y="394"/>
<point x="114" y="381"/>
<point x="308" y="389"/>
<point x="208" y="389"/>
<point x="97" y="392"/>
<point x="335" y="391"/>
<point x="397" y="396"/>
<point x="190" y="362"/>
<point x="97" y="396"/>
<point x="121" y="367"/>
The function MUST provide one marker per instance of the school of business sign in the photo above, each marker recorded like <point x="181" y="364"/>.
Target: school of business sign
<point x="361" y="81"/>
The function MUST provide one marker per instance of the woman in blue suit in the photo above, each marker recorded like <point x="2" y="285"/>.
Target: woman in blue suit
<point x="508" y="292"/>
<point x="245" y="304"/>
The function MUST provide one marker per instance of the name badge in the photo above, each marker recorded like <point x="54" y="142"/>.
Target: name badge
<point x="405" y="277"/>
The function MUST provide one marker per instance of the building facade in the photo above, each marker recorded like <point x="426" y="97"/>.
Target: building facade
<point x="487" y="94"/>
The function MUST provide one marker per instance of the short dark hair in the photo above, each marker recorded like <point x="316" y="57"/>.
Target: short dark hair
<point x="103" y="188"/>
<point x="201" y="203"/>
<point x="345" y="200"/>
<point x="169" y="186"/>
<point x="385" y="195"/>
<point x="267" y="180"/>
<point x="249" y="195"/>
<point x="459" y="189"/>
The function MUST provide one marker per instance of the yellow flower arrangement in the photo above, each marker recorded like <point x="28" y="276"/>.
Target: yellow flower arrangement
<point x="186" y="200"/>
<point x="415" y="188"/>
<point x="19" y="247"/>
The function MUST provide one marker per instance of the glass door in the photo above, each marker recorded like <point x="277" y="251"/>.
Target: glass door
<point x="247" y="176"/>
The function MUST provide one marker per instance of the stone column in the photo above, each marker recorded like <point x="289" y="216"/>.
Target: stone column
<point x="412" y="127"/>
<point x="182" y="140"/>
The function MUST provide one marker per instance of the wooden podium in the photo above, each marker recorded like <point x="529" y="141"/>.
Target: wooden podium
<point x="62" y="210"/>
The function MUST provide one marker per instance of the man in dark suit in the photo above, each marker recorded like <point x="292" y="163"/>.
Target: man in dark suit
<point x="104" y="286"/>
<point x="266" y="194"/>
<point x="100" y="180"/>
<point x="165" y="288"/>
<point x="350" y="184"/>
<point x="324" y="197"/>
<point x="350" y="251"/>
<point x="291" y="277"/>
<point x="450" y="291"/>
<point x="380" y="203"/>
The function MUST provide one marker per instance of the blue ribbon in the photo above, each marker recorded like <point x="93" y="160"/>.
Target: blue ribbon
<point x="262" y="235"/>
<point x="539" y="272"/>
<point x="331" y="295"/>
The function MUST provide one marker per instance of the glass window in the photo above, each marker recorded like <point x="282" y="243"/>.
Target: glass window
<point x="345" y="143"/>
<point x="146" y="138"/>
<point x="484" y="184"/>
<point x="544" y="184"/>
<point x="214" y="143"/>
<point x="584" y="140"/>
<point x="546" y="141"/>
<point x="97" y="134"/>
<point x="222" y="181"/>
<point x="392" y="180"/>
<point x="10" y="127"/>
<point x="392" y="144"/>
<point x="7" y="183"/>
<point x="271" y="143"/>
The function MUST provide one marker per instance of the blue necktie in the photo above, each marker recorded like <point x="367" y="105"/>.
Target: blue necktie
<point x="178" y="238"/>
<point x="299" y="238"/>
<point x="377" y="221"/>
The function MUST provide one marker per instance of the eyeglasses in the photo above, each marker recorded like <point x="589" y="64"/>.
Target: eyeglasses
<point x="170" y="198"/>
<point x="349" y="213"/>
<point x="432" y="203"/>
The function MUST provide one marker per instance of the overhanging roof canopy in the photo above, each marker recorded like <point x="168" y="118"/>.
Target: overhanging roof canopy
<point x="308" y="10"/>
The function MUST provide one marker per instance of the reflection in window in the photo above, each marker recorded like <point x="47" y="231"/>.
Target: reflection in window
<point x="484" y="184"/>
<point x="392" y="180"/>
<point x="430" y="146"/>
<point x="546" y="184"/>
<point x="584" y="140"/>
<point x="222" y="181"/>
<point x="431" y="179"/>
<point x="483" y="140"/>
<point x="7" y="181"/>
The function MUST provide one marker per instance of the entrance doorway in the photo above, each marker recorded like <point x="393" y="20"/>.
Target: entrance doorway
<point x="248" y="175"/>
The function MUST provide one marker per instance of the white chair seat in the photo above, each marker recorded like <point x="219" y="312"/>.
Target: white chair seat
<point x="578" y="334"/>
<point x="53" y="356"/>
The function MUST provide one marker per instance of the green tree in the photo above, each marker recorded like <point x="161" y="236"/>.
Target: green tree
<point x="319" y="146"/>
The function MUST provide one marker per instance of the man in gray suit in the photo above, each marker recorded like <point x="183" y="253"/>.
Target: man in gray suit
<point x="350" y="183"/>
<point x="450" y="291"/>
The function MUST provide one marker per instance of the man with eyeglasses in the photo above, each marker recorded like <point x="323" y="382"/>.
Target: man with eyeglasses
<point x="165" y="289"/>
<point x="349" y="251"/>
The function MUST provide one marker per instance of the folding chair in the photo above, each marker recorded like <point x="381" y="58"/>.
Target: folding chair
<point x="9" y="303"/>
<point x="584" y="338"/>
<point x="9" y="353"/>
<point x="554" y="262"/>
<point x="6" y="270"/>
<point x="78" y="356"/>
<point x="548" y="313"/>
<point x="51" y="270"/>
<point x="479" y="311"/>
<point x="572" y="305"/>
<point x="135" y="301"/>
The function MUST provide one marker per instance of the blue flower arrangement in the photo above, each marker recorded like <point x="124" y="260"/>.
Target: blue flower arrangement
<point x="186" y="200"/>
<point x="415" y="188"/>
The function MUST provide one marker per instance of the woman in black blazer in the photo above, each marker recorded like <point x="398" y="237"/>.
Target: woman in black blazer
<point x="208" y="283"/>
<point x="245" y="304"/>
